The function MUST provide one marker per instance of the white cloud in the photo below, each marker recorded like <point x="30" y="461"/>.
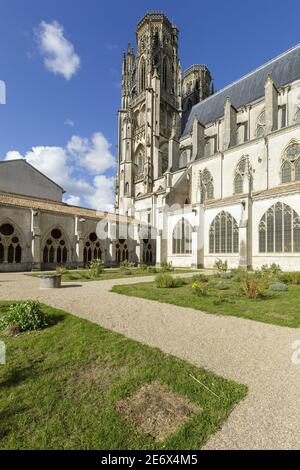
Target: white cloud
<point x="69" y="122"/>
<point x="103" y="195"/>
<point x="13" y="155"/>
<point x="94" y="154"/>
<point x="58" y="52"/>
<point x="67" y="166"/>
<point x="72" y="200"/>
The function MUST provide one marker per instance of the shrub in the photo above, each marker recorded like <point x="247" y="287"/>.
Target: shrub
<point x="238" y="274"/>
<point x="24" y="316"/>
<point x="151" y="269"/>
<point x="290" y="278"/>
<point x="96" y="267"/>
<point x="271" y="272"/>
<point x="200" y="289"/>
<point x="167" y="267"/>
<point x="226" y="275"/>
<point x="143" y="267"/>
<point x="62" y="270"/>
<point x="253" y="286"/>
<point x="221" y="266"/>
<point x="126" y="265"/>
<point x="200" y="278"/>
<point x="279" y="287"/>
<point x="221" y="286"/>
<point x="165" y="281"/>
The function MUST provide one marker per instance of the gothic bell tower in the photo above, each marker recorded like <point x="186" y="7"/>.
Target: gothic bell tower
<point x="151" y="107"/>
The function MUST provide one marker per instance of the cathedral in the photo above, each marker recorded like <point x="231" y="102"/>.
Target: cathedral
<point x="202" y="175"/>
<point x="212" y="175"/>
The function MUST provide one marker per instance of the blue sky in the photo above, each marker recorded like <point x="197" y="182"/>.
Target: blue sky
<point x="45" y="110"/>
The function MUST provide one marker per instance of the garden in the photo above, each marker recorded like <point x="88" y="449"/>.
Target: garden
<point x="71" y="384"/>
<point x="267" y="295"/>
<point x="97" y="272"/>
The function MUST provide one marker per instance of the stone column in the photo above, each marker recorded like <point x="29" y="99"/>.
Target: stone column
<point x="198" y="238"/>
<point x="245" y="254"/>
<point x="111" y="244"/>
<point x="36" y="249"/>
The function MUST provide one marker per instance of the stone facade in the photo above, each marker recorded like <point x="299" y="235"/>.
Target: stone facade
<point x="219" y="170"/>
<point x="41" y="234"/>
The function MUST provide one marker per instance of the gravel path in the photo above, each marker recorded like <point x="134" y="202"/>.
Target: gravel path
<point x="252" y="353"/>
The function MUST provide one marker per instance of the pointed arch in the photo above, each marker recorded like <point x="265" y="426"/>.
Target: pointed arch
<point x="207" y="185"/>
<point x="139" y="161"/>
<point x="182" y="237"/>
<point x="241" y="170"/>
<point x="224" y="234"/>
<point x="142" y="74"/>
<point x="290" y="167"/>
<point x="165" y="67"/>
<point x="279" y="230"/>
<point x="163" y="158"/>
<point x="260" y="129"/>
<point x="93" y="248"/>
<point x="12" y="242"/>
<point x="56" y="246"/>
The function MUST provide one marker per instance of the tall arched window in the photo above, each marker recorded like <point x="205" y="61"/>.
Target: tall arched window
<point x="183" y="159"/>
<point x="279" y="230"/>
<point x="290" y="169"/>
<point x="92" y="248"/>
<point x="224" y="234"/>
<point x="297" y="115"/>
<point x="10" y="244"/>
<point x="122" y="253"/>
<point x="164" y="158"/>
<point x="55" y="249"/>
<point x="240" y="172"/>
<point x="142" y="74"/>
<point x="261" y="125"/>
<point x="165" y="73"/>
<point x="139" y="163"/>
<point x="182" y="238"/>
<point x="207" y="186"/>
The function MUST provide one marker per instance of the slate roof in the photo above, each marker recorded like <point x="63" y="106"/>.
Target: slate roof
<point x="284" y="69"/>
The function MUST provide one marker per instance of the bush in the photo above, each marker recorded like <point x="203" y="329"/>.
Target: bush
<point x="271" y="272"/>
<point x="62" y="270"/>
<point x="24" y="316"/>
<point x="200" y="278"/>
<point x="126" y="272"/>
<point x="226" y="275"/>
<point x="200" y="289"/>
<point x="221" y="266"/>
<point x="165" y="281"/>
<point x="279" y="287"/>
<point x="151" y="269"/>
<point x="221" y="286"/>
<point x="238" y="274"/>
<point x="96" y="267"/>
<point x="126" y="265"/>
<point x="167" y="267"/>
<point x="253" y="286"/>
<point x="143" y="267"/>
<point x="290" y="278"/>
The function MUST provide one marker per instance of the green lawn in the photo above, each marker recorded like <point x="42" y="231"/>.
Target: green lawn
<point x="279" y="308"/>
<point x="60" y="387"/>
<point x="83" y="275"/>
